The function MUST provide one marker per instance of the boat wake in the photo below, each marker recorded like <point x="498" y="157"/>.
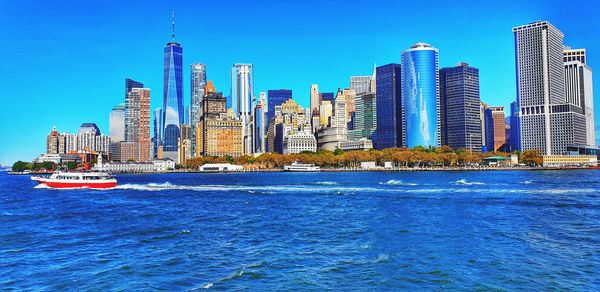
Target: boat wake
<point x="325" y="183"/>
<point x="397" y="182"/>
<point x="463" y="182"/>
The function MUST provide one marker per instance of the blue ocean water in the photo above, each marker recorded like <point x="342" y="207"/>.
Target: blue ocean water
<point x="507" y="230"/>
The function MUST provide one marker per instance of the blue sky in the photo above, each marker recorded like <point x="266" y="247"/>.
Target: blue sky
<point x="65" y="63"/>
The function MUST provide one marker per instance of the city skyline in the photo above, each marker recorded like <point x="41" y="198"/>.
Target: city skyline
<point x="328" y="76"/>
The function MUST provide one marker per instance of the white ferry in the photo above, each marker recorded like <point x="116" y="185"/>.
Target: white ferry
<point x="301" y="167"/>
<point x="92" y="180"/>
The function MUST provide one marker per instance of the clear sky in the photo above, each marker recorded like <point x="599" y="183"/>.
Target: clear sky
<point x="65" y="62"/>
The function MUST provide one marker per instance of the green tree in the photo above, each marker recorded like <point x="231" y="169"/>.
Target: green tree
<point x="338" y="151"/>
<point x="19" y="166"/>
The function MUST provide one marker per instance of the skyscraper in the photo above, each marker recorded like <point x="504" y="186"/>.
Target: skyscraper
<point x="460" y="125"/>
<point x="515" y="127"/>
<point x="137" y="122"/>
<point x="157" y="116"/>
<point x="130" y="84"/>
<point x="540" y="81"/>
<point x="117" y="123"/>
<point x="389" y="106"/>
<point x="420" y="95"/>
<point x="242" y="93"/>
<point x="315" y="103"/>
<point x="172" y="97"/>
<point x="495" y="128"/>
<point x="197" y="82"/>
<point x="260" y="124"/>
<point x="276" y="98"/>
<point x="579" y="89"/>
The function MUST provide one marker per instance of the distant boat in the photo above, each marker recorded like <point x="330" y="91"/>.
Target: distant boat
<point x="301" y="167"/>
<point x="92" y="180"/>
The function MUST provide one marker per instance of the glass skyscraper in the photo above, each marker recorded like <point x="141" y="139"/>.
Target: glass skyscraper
<point x="460" y="122"/>
<point x="515" y="127"/>
<point x="275" y="98"/>
<point x="389" y="106"/>
<point x="420" y="95"/>
<point x="173" y="114"/>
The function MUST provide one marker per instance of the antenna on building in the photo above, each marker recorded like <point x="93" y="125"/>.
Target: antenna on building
<point x="173" y="26"/>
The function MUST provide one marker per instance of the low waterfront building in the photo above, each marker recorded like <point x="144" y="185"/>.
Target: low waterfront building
<point x="58" y="158"/>
<point x="368" y="165"/>
<point x="220" y="167"/>
<point x="569" y="160"/>
<point x="299" y="142"/>
<point x="149" y="166"/>
<point x="361" y="144"/>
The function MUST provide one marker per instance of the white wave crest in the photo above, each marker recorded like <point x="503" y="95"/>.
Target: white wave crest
<point x="326" y="183"/>
<point x="527" y="182"/>
<point x="464" y="182"/>
<point x="397" y="182"/>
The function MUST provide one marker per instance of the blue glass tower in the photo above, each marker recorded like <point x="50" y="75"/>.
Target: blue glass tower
<point x="420" y="95"/>
<point x="515" y="127"/>
<point x="275" y="98"/>
<point x="172" y="94"/>
<point x="389" y="106"/>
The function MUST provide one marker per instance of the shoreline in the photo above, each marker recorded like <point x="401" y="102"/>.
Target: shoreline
<point x="351" y="170"/>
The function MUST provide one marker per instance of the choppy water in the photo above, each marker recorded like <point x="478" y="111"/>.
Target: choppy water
<point x="507" y="230"/>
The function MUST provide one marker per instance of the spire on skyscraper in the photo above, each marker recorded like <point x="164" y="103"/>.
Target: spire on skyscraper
<point x="173" y="26"/>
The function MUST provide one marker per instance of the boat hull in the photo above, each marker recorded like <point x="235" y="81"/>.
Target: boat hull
<point x="67" y="185"/>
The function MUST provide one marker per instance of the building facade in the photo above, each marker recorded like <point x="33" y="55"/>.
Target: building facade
<point x="515" y="127"/>
<point x="242" y="94"/>
<point x="495" y="128"/>
<point x="137" y="122"/>
<point x="460" y="123"/>
<point x="260" y="124"/>
<point x="117" y="123"/>
<point x="299" y="142"/>
<point x="172" y="110"/>
<point x="389" y="106"/>
<point x="540" y="81"/>
<point x="420" y="95"/>
<point x="198" y="84"/>
<point x="579" y="90"/>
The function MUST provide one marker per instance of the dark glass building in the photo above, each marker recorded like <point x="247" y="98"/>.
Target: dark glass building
<point x="130" y="84"/>
<point x="489" y="130"/>
<point x="515" y="127"/>
<point x="327" y="96"/>
<point x="275" y="98"/>
<point x="460" y="124"/>
<point x="173" y="111"/>
<point x="389" y="106"/>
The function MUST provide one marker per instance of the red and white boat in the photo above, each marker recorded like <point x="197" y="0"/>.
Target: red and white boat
<point x="92" y="180"/>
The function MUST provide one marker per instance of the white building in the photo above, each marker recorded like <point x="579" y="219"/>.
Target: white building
<point x="361" y="144"/>
<point x="242" y="92"/>
<point x="220" y="167"/>
<point x="160" y="165"/>
<point x="541" y="83"/>
<point x="299" y="142"/>
<point x="579" y="89"/>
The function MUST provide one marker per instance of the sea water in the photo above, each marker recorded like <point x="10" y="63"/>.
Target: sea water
<point x="508" y="230"/>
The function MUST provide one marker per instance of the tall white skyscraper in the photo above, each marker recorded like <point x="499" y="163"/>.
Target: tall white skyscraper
<point x="242" y="93"/>
<point x="551" y="112"/>
<point x="198" y="83"/>
<point x="540" y="81"/>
